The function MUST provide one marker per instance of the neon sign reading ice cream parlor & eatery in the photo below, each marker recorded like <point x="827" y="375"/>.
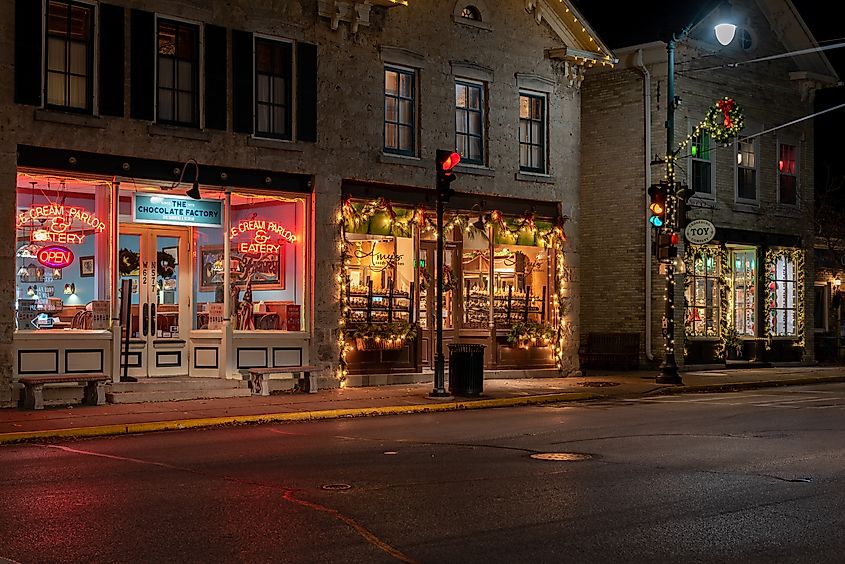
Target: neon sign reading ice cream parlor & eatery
<point x="263" y="232"/>
<point x="57" y="221"/>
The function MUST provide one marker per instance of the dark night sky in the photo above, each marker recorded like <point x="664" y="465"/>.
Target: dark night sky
<point x="659" y="18"/>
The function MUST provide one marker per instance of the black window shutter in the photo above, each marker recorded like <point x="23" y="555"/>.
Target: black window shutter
<point x="306" y="91"/>
<point x="28" y="22"/>
<point x="142" y="65"/>
<point x="112" y="49"/>
<point x="215" y="77"/>
<point x="242" y="81"/>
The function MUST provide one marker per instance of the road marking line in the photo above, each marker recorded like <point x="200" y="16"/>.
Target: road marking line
<point x="360" y="529"/>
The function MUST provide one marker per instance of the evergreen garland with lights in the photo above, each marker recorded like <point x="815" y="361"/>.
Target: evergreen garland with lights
<point x="796" y="257"/>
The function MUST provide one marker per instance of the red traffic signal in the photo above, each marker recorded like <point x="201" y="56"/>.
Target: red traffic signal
<point x="446" y="161"/>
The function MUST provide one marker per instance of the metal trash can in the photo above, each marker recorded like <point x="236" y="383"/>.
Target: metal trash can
<point x="466" y="369"/>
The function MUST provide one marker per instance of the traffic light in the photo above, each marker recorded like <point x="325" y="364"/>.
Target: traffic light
<point x="667" y="246"/>
<point x="657" y="193"/>
<point x="446" y="162"/>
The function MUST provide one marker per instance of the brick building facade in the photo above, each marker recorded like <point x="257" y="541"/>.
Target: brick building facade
<point x="756" y="276"/>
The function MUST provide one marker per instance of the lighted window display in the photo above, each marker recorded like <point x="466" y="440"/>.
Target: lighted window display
<point x="784" y="307"/>
<point x="521" y="280"/>
<point x="61" y="253"/>
<point x="744" y="291"/>
<point x="475" y="269"/>
<point x="266" y="263"/>
<point x="702" y="297"/>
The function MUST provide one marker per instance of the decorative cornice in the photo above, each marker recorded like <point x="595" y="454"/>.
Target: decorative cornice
<point x="354" y="13"/>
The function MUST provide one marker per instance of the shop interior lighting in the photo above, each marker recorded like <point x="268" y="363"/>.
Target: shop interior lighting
<point x="837" y="282"/>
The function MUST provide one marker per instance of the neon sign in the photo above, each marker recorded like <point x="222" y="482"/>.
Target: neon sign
<point x="262" y="230"/>
<point x="55" y="256"/>
<point x="57" y="220"/>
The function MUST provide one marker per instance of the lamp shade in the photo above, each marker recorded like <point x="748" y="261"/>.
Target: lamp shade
<point x="725" y="33"/>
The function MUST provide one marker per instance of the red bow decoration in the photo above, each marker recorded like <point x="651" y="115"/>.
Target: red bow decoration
<point x="726" y="105"/>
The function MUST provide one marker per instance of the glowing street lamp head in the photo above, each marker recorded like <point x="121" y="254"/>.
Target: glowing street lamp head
<point x="725" y="32"/>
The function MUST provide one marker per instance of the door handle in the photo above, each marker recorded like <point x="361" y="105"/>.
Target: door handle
<point x="153" y="320"/>
<point x="146" y="319"/>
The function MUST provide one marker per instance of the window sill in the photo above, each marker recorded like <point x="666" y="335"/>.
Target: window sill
<point x="388" y="158"/>
<point x="278" y="144"/>
<point x="477" y="170"/>
<point x="535" y="177"/>
<point x="68" y="118"/>
<point x="472" y="23"/>
<point x="742" y="207"/>
<point x="183" y="132"/>
<point x="782" y="210"/>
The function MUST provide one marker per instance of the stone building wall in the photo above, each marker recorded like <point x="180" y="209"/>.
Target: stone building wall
<point x="350" y="122"/>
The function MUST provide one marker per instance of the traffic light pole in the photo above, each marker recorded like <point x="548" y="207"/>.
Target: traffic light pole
<point x="669" y="369"/>
<point x="439" y="360"/>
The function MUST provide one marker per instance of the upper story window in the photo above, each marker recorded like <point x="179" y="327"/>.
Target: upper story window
<point x="399" y="111"/>
<point x="469" y="121"/>
<point x="471" y="13"/>
<point x="69" y="55"/>
<point x="532" y="133"/>
<point x="178" y="73"/>
<point x="273" y="89"/>
<point x="787" y="175"/>
<point x="701" y="177"/>
<point x="746" y="170"/>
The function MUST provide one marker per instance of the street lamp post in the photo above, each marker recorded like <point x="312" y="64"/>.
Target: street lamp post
<point x="669" y="369"/>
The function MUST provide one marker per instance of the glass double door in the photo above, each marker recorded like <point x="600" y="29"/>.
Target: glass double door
<point x="156" y="260"/>
<point x="427" y="258"/>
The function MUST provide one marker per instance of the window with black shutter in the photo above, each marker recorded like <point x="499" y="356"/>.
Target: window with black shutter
<point x="272" y="89"/>
<point x="69" y="56"/>
<point x="178" y="73"/>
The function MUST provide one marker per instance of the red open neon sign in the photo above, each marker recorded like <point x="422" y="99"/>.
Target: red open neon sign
<point x="55" y="256"/>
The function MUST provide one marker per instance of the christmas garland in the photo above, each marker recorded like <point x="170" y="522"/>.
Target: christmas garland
<point x="531" y="333"/>
<point x="724" y="120"/>
<point x="796" y="256"/>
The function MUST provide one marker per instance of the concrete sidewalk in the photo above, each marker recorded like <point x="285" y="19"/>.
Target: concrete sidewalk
<point x="86" y="421"/>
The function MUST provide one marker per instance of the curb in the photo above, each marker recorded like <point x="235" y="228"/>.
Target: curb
<point x="728" y="387"/>
<point x="180" y="424"/>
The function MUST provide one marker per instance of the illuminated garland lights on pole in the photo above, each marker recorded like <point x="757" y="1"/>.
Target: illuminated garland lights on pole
<point x="399" y="224"/>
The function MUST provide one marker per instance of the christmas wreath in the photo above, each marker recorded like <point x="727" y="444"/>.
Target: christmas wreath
<point x="129" y="262"/>
<point x="449" y="282"/>
<point x="724" y="120"/>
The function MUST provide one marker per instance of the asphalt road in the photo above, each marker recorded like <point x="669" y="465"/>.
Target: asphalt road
<point x="753" y="476"/>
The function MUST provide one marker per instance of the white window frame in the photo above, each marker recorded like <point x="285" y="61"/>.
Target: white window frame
<point x="826" y="295"/>
<point x="755" y="285"/>
<point x="703" y="195"/>
<point x="778" y="307"/>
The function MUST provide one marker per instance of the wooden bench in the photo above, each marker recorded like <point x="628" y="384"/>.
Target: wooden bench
<point x="33" y="391"/>
<point x="610" y="350"/>
<point x="259" y="378"/>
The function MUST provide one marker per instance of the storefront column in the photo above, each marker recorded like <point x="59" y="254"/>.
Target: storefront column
<point x="8" y="180"/>
<point x="117" y="326"/>
<point x="226" y="348"/>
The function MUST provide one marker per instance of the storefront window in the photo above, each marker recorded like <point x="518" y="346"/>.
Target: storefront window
<point x="744" y="290"/>
<point x="521" y="278"/>
<point x="267" y="263"/>
<point x="475" y="266"/>
<point x="62" y="253"/>
<point x="784" y="305"/>
<point x="702" y="297"/>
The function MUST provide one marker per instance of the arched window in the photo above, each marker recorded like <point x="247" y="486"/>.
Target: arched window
<point x="471" y="13"/>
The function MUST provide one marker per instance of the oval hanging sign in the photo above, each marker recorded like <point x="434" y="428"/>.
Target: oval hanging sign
<point x="55" y="256"/>
<point x="700" y="231"/>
